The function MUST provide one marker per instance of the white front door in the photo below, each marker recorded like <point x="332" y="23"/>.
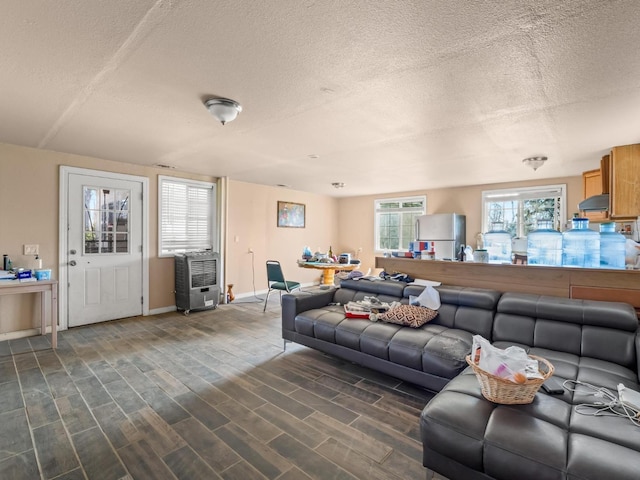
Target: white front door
<point x="104" y="249"/>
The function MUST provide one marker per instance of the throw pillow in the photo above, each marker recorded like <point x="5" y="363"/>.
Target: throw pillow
<point x="408" y="315"/>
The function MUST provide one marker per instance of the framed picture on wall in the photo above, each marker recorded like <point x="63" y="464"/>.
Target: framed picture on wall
<point x="290" y="214"/>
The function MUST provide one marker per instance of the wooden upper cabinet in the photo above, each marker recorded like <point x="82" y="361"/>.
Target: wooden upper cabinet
<point x="625" y="182"/>
<point x="592" y="185"/>
<point x="605" y="169"/>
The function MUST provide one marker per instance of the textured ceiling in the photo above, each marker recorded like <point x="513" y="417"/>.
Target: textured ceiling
<point x="391" y="95"/>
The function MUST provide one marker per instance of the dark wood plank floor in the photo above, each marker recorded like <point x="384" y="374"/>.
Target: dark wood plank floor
<point x="208" y="396"/>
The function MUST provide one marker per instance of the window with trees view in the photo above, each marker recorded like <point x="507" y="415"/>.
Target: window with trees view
<point x="395" y="220"/>
<point x="517" y="210"/>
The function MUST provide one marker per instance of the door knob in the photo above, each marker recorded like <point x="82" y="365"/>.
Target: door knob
<point x="72" y="252"/>
<point x="72" y="263"/>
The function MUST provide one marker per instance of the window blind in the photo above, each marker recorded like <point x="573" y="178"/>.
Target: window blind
<point x="186" y="215"/>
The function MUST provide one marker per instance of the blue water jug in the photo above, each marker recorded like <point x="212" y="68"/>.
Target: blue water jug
<point x="612" y="247"/>
<point x="581" y="246"/>
<point x="498" y="243"/>
<point x="544" y="245"/>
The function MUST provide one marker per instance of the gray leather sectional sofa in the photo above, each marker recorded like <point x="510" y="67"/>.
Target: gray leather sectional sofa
<point x="464" y="435"/>
<point x="429" y="356"/>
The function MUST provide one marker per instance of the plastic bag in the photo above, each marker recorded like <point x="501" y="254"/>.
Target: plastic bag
<point x="429" y="298"/>
<point x="512" y="364"/>
<point x="468" y="254"/>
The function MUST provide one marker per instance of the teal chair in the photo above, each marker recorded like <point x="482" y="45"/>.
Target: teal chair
<point x="276" y="281"/>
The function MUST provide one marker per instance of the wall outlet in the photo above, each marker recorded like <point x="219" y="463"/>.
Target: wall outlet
<point x="31" y="249"/>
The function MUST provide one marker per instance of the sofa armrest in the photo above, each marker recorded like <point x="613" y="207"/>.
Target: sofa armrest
<point x="297" y="302"/>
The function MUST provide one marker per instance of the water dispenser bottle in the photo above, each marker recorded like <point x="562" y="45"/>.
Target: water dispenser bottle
<point x="544" y="245"/>
<point x="612" y="247"/>
<point x="498" y="243"/>
<point x="581" y="246"/>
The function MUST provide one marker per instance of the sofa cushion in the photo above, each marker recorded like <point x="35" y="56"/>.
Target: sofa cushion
<point x="346" y="295"/>
<point x="375" y="339"/>
<point x="408" y="315"/>
<point x="602" y="330"/>
<point x="376" y="287"/>
<point x="434" y="349"/>
<point x="465" y="308"/>
<point x="544" y="439"/>
<point x="445" y="354"/>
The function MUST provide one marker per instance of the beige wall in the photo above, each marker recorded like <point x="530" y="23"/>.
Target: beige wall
<point x="29" y="190"/>
<point x="29" y="206"/>
<point x="252" y="224"/>
<point x="356" y="221"/>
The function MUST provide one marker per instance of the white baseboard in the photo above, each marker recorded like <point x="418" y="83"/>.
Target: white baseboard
<point x="158" y="311"/>
<point x="31" y="332"/>
<point x="250" y="294"/>
<point x="264" y="292"/>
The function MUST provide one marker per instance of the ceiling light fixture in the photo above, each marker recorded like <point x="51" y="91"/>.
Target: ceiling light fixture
<point x="224" y="109"/>
<point x="338" y="184"/>
<point x="534" y="162"/>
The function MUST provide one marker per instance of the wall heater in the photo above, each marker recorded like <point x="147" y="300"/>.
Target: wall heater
<point x="197" y="281"/>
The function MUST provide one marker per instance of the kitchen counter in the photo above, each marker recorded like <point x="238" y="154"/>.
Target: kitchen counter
<point x="584" y="283"/>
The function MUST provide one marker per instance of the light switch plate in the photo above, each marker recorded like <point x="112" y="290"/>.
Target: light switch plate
<point x="30" y="249"/>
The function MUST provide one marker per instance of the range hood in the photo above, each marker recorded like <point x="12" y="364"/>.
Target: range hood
<point x="596" y="203"/>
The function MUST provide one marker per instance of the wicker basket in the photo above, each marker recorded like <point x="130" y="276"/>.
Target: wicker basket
<point x="501" y="390"/>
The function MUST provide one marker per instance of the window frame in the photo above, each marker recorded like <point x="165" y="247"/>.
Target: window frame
<point x="162" y="179"/>
<point x="525" y="193"/>
<point x="376" y="222"/>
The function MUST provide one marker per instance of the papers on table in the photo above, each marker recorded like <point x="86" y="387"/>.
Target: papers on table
<point x="5" y="275"/>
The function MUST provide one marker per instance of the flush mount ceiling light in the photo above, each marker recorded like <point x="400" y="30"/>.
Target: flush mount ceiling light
<point x="224" y="109"/>
<point x="534" y="162"/>
<point x="338" y="184"/>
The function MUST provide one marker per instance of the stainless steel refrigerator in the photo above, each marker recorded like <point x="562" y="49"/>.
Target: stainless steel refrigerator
<point x="446" y="230"/>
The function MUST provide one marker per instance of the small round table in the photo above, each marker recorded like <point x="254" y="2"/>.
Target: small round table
<point x="328" y="269"/>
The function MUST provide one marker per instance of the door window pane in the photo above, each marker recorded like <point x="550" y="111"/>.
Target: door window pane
<point x="122" y="199"/>
<point x="122" y="243"/>
<point x="91" y="243"/>
<point x="106" y="210"/>
<point x="122" y="221"/>
<point x="106" y="244"/>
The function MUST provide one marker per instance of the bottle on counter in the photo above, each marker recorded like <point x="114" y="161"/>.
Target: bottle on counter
<point x="497" y="242"/>
<point x="468" y="254"/>
<point x="580" y="245"/>
<point x="612" y="247"/>
<point x="461" y="255"/>
<point x="5" y="262"/>
<point x="544" y="245"/>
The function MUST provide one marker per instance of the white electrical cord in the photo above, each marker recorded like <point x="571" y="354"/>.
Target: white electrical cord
<point x="253" y="279"/>
<point x="610" y="405"/>
<point x="253" y="282"/>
